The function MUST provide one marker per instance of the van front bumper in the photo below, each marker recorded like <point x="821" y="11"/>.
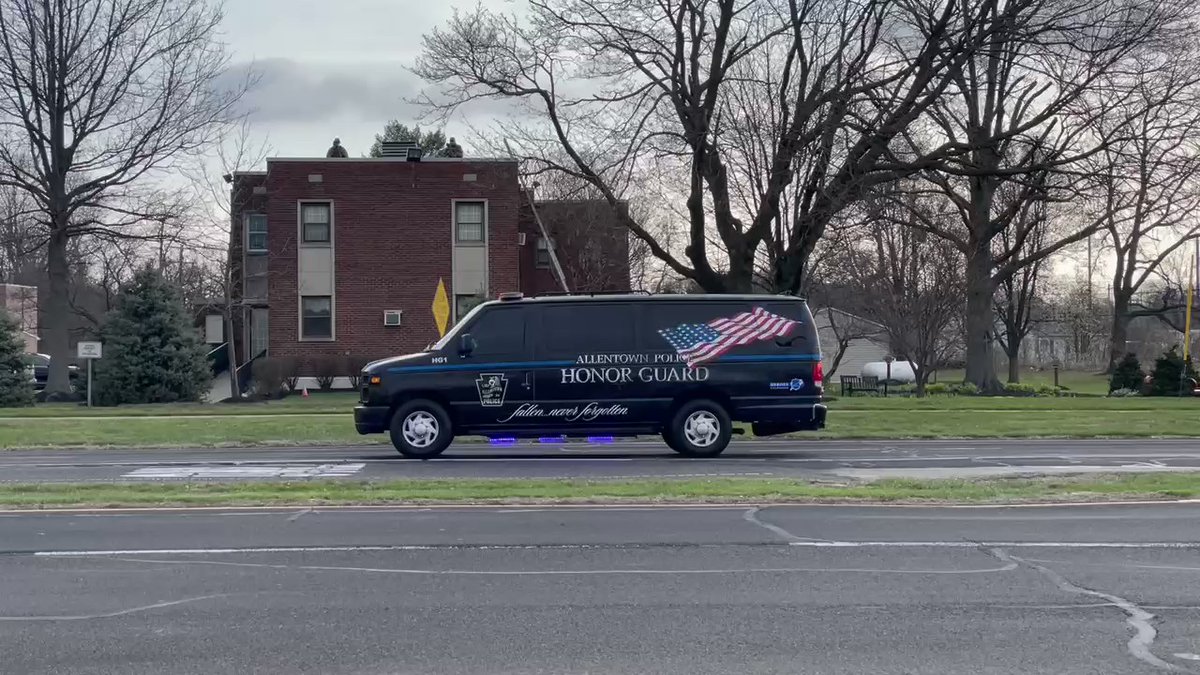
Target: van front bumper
<point x="371" y="419"/>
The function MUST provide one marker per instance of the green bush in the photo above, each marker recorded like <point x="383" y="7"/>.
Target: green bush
<point x="1169" y="371"/>
<point x="1020" y="389"/>
<point x="1128" y="374"/>
<point x="1049" y="390"/>
<point x="15" y="388"/>
<point x="964" y="389"/>
<point x="152" y="352"/>
<point x="937" y="389"/>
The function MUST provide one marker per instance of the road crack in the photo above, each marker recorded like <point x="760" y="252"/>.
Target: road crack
<point x="751" y="516"/>
<point x="1142" y="622"/>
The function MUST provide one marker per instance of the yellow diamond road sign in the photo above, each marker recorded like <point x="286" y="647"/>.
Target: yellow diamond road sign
<point x="441" y="308"/>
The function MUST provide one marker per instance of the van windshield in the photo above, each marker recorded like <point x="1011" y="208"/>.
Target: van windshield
<point x="452" y="334"/>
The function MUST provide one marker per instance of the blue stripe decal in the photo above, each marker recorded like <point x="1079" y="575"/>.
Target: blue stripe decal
<point x="481" y="366"/>
<point x="770" y="358"/>
<point x="515" y="365"/>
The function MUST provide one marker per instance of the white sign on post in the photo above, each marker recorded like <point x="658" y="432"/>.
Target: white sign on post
<point x="89" y="351"/>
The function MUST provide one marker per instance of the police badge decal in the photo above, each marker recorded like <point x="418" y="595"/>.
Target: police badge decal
<point x="491" y="387"/>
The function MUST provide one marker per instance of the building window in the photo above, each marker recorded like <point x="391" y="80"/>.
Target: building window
<point x="465" y="303"/>
<point x="468" y="222"/>
<point x="316" y="317"/>
<point x="314" y="223"/>
<point x="256" y="233"/>
<point x="541" y="256"/>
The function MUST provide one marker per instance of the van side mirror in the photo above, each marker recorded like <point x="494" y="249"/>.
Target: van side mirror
<point x="466" y="345"/>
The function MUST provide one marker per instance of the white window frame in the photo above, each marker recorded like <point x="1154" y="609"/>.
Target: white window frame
<point x="251" y="249"/>
<point x="305" y="338"/>
<point x="483" y="225"/>
<point x="542" y="247"/>
<point x="300" y="222"/>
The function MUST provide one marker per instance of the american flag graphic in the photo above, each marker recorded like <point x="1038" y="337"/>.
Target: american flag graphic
<point x="699" y="343"/>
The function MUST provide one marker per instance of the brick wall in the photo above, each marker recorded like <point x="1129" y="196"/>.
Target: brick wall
<point x="391" y="244"/>
<point x="591" y="243"/>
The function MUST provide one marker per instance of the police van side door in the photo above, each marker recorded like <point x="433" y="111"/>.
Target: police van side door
<point x="587" y="365"/>
<point x="494" y="379"/>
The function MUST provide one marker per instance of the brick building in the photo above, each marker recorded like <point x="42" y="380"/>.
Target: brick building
<point x="344" y="256"/>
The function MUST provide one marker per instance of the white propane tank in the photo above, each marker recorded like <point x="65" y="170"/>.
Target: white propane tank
<point x="902" y="371"/>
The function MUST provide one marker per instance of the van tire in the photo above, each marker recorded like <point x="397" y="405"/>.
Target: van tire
<point x="421" y="429"/>
<point x="699" y="428"/>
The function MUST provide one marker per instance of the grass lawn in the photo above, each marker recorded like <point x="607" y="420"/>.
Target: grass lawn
<point x="1000" y="490"/>
<point x="854" y="418"/>
<point x="322" y="402"/>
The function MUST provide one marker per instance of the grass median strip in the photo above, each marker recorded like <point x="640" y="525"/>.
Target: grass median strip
<point x="295" y="430"/>
<point x="717" y="490"/>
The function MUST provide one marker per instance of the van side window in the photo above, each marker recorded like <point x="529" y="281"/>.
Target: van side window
<point x="499" y="332"/>
<point x="586" y="328"/>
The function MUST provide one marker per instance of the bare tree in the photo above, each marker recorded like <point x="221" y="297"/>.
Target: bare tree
<point x="911" y="285"/>
<point x="622" y="88"/>
<point x="222" y="282"/>
<point x="100" y="99"/>
<point x="1148" y="186"/>
<point x="844" y="329"/>
<point x="1023" y="105"/>
<point x="1017" y="295"/>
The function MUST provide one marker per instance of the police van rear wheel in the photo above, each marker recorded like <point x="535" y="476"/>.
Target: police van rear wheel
<point x="421" y="429"/>
<point x="699" y="429"/>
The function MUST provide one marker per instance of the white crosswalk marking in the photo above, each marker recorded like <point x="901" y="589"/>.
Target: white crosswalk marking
<point x="293" y="471"/>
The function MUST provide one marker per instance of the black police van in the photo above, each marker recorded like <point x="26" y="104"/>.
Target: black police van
<point x="604" y="366"/>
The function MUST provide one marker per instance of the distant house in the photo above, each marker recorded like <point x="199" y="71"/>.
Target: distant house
<point x="21" y="303"/>
<point x="859" y="341"/>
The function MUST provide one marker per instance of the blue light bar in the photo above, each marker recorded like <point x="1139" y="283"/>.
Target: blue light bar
<point x="600" y="439"/>
<point x="504" y="440"/>
<point x="552" y="439"/>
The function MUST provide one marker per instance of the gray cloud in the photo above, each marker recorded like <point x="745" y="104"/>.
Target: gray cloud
<point x="290" y="91"/>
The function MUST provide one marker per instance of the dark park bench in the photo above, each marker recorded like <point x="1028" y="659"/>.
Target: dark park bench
<point x="855" y="383"/>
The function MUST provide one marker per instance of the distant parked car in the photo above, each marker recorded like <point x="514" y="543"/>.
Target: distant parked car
<point x="38" y="367"/>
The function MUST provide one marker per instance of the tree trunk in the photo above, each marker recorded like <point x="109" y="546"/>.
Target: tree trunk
<point x="1014" y="366"/>
<point x="740" y="278"/>
<point x="980" y="323"/>
<point x="842" y="345"/>
<point x="1117" y="342"/>
<point x="56" y="339"/>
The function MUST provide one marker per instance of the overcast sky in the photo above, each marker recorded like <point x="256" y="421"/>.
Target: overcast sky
<point x="333" y="68"/>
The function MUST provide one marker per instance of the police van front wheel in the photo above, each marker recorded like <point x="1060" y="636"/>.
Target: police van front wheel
<point x="421" y="429"/>
<point x="699" y="428"/>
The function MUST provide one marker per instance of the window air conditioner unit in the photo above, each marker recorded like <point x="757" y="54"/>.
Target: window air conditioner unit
<point x="391" y="317"/>
<point x="520" y="239"/>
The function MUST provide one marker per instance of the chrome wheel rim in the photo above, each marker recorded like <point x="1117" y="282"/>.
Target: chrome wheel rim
<point x="420" y="429"/>
<point x="702" y="428"/>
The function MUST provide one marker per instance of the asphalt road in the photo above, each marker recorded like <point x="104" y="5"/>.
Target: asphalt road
<point x="758" y="458"/>
<point x="699" y="590"/>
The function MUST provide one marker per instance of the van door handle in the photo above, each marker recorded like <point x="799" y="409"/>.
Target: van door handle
<point x="528" y="379"/>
